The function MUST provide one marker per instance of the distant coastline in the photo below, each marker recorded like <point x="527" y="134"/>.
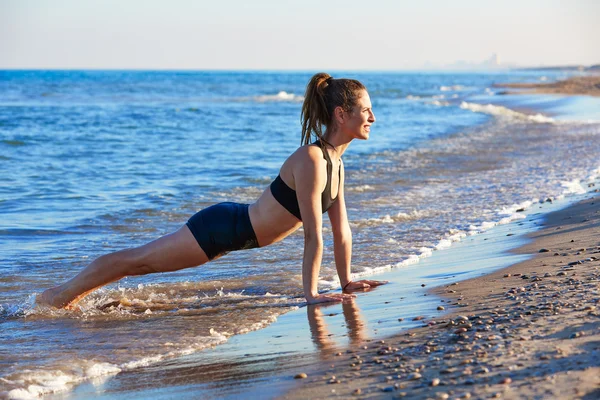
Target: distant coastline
<point x="572" y="68"/>
<point x="579" y="85"/>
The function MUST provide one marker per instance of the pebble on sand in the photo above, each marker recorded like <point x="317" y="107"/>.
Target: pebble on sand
<point x="300" y="376"/>
<point x="414" y="376"/>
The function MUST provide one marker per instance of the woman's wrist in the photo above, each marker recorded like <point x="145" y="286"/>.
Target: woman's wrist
<point x="311" y="295"/>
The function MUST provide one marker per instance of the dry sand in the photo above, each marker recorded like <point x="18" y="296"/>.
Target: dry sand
<point x="530" y="331"/>
<point x="586" y="85"/>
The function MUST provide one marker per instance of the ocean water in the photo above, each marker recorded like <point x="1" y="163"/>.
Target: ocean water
<point x="96" y="161"/>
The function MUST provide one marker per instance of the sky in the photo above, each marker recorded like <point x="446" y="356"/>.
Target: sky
<point x="295" y="35"/>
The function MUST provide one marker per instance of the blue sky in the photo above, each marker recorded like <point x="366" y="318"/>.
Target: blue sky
<point x="305" y="34"/>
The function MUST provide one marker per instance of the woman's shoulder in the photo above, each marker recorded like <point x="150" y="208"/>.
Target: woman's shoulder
<point x="308" y="153"/>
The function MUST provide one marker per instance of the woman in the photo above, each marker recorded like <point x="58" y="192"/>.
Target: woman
<point x="310" y="182"/>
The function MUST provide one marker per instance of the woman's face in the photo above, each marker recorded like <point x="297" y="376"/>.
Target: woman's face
<point x="357" y="122"/>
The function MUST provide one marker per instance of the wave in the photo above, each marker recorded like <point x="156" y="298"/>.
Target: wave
<point x="281" y="96"/>
<point x="453" y="88"/>
<point x="503" y="112"/>
<point x="359" y="188"/>
<point x="504" y="215"/>
<point x="439" y="103"/>
<point x="40" y="382"/>
<point x="387" y="219"/>
<point x="194" y="301"/>
<point x="431" y="97"/>
<point x="580" y="186"/>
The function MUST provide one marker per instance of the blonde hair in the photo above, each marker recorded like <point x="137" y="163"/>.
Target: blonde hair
<point x="323" y="95"/>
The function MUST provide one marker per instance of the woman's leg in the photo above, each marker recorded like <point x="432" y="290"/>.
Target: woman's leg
<point x="169" y="253"/>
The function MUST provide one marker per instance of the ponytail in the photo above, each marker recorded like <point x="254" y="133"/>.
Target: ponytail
<point x="314" y="110"/>
<point x="323" y="95"/>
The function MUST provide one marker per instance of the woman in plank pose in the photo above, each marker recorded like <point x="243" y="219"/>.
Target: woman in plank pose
<point x="310" y="182"/>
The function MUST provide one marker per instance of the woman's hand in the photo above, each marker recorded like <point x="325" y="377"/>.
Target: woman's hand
<point x="362" y="284"/>
<point x="325" y="298"/>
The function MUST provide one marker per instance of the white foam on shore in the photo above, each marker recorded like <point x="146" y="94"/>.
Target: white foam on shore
<point x="42" y="382"/>
<point x="580" y="186"/>
<point x="505" y="215"/>
<point x="37" y="383"/>
<point x="503" y="112"/>
<point x="132" y="303"/>
<point x="389" y="219"/>
<point x="573" y="186"/>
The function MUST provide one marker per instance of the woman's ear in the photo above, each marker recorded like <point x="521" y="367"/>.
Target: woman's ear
<point x="338" y="114"/>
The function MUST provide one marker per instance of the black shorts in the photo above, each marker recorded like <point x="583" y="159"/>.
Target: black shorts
<point x="222" y="228"/>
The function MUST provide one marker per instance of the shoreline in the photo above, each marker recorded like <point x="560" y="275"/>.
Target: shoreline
<point x="528" y="330"/>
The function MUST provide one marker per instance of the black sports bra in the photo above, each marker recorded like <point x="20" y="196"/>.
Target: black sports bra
<point x="286" y="196"/>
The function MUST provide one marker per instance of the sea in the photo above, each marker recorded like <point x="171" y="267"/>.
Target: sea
<point x="92" y="162"/>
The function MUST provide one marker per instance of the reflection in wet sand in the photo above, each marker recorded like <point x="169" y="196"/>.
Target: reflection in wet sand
<point x="320" y="334"/>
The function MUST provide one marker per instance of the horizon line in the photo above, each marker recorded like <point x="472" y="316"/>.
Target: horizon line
<point x="421" y="69"/>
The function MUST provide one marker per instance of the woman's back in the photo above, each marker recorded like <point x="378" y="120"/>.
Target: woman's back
<point x="270" y="219"/>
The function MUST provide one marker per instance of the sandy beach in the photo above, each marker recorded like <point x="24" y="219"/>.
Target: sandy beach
<point x="528" y="331"/>
<point x="579" y="85"/>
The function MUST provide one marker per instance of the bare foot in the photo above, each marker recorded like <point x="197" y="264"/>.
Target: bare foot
<point x="47" y="298"/>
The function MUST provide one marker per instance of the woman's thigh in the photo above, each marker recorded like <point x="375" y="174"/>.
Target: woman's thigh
<point x="172" y="252"/>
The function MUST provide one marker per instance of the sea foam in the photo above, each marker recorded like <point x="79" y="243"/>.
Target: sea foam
<point x="281" y="96"/>
<point x="503" y="112"/>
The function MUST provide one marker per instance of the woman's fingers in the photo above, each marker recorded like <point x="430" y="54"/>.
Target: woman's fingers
<point x="354" y="285"/>
<point x="364" y="284"/>
<point x="324" y="298"/>
<point x="338" y="296"/>
<point x="373" y="283"/>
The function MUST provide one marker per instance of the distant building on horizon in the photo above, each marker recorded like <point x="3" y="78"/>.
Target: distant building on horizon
<point x="492" y="63"/>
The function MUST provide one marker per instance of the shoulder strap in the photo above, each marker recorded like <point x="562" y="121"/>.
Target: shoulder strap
<point x="324" y="150"/>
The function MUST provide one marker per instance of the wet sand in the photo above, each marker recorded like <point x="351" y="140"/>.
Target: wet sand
<point x="580" y="85"/>
<point x="531" y="330"/>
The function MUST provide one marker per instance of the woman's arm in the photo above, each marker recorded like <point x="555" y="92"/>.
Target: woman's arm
<point x="342" y="235"/>
<point x="342" y="242"/>
<point x="310" y="179"/>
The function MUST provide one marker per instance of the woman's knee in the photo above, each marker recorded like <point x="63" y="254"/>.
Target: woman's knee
<point x="168" y="253"/>
<point x="131" y="262"/>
